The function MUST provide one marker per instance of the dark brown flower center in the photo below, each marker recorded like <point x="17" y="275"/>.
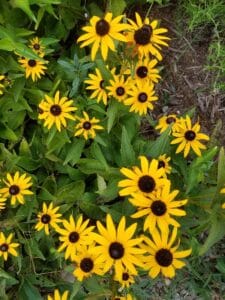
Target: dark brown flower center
<point x="190" y="135"/>
<point x="45" y="219"/>
<point x="74" y="237"/>
<point x="146" y="184"/>
<point x="142" y="97"/>
<point x="14" y="190"/>
<point x="161" y="164"/>
<point x="32" y="63"/>
<point x="170" y="120"/>
<point x="102" y="27"/>
<point x="86" y="265"/>
<point x="101" y="84"/>
<point x="116" y="250"/>
<point x="120" y="91"/>
<point x="36" y="46"/>
<point x="158" y="208"/>
<point x="125" y="276"/>
<point x="164" y="257"/>
<point x="142" y="71"/>
<point x="40" y="110"/>
<point x="87" y="125"/>
<point x="55" y="110"/>
<point x="4" y="247"/>
<point x="142" y="36"/>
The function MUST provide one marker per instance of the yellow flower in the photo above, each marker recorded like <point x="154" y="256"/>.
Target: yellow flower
<point x="55" y="111"/>
<point x="163" y="162"/>
<point x="101" y="33"/>
<point x="88" y="262"/>
<point x="141" y="97"/>
<point x="117" y="248"/>
<point x="147" y="37"/>
<point x="33" y="67"/>
<point x="2" y="78"/>
<point x="188" y="137"/>
<point x="74" y="235"/>
<point x="127" y="297"/>
<point x="2" y="202"/>
<point x="87" y="126"/>
<point x="96" y="83"/>
<point x="162" y="255"/>
<point x="159" y="207"/>
<point x="222" y="191"/>
<point x="119" y="87"/>
<point x="36" y="46"/>
<point x="146" y="180"/>
<point x="48" y="217"/>
<point x="165" y="121"/>
<point x="6" y="247"/>
<point x="17" y="187"/>
<point x="125" y="279"/>
<point x="57" y="295"/>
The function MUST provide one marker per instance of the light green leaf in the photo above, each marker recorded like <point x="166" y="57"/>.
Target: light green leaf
<point x="25" y="6"/>
<point x="28" y="291"/>
<point x="117" y="7"/>
<point x="74" y="151"/>
<point x="9" y="279"/>
<point x="7" y="45"/>
<point x="112" y="113"/>
<point x="126" y="150"/>
<point x="7" y="133"/>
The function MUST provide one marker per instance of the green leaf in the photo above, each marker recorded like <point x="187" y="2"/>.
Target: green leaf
<point x="7" y="133"/>
<point x="71" y="191"/>
<point x="106" y="74"/>
<point x="112" y="113"/>
<point x="91" y="209"/>
<point x="221" y="168"/>
<point x="74" y="151"/>
<point x="28" y="291"/>
<point x="117" y="7"/>
<point x="91" y="166"/>
<point x="126" y="150"/>
<point x="33" y="247"/>
<point x="97" y="153"/>
<point x="6" y="44"/>
<point x="9" y="279"/>
<point x="25" y="6"/>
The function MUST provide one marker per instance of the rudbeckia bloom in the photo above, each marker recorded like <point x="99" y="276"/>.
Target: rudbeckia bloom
<point x="117" y="248"/>
<point x="33" y="67"/>
<point x="17" y="187"/>
<point x="96" y="83"/>
<point x="144" y="180"/>
<point x="119" y="87"/>
<point x="163" y="162"/>
<point x="145" y="71"/>
<point x="147" y="37"/>
<point x="101" y="33"/>
<point x="57" y="295"/>
<point x="87" y="263"/>
<point x="141" y="97"/>
<point x="55" y="111"/>
<point x="222" y="191"/>
<point x="162" y="255"/>
<point x="127" y="297"/>
<point x="2" y="77"/>
<point x="74" y="235"/>
<point x="2" y="202"/>
<point x="188" y="137"/>
<point x="36" y="46"/>
<point x="6" y="247"/>
<point x="125" y="279"/>
<point x="48" y="217"/>
<point x="165" y="121"/>
<point x="87" y="126"/>
<point x="159" y="207"/>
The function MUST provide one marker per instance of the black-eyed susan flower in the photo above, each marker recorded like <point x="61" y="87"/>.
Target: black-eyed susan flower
<point x="16" y="187"/>
<point x="222" y="191"/>
<point x="163" y="162"/>
<point x="96" y="84"/>
<point x="2" y="78"/>
<point x="74" y="235"/>
<point x="6" y="246"/>
<point x="116" y="246"/>
<point x="57" y="295"/>
<point x="118" y="87"/>
<point x="146" y="37"/>
<point x="56" y="110"/>
<point x="2" y="202"/>
<point x="36" y="46"/>
<point x="165" y="121"/>
<point x="125" y="279"/>
<point x="144" y="180"/>
<point x="188" y="137"/>
<point x="33" y="67"/>
<point x="101" y="33"/>
<point x="145" y="71"/>
<point x="162" y="254"/>
<point x="142" y="95"/>
<point x="88" y="262"/>
<point x="48" y="217"/>
<point x="126" y="297"/>
<point x="87" y="126"/>
<point x="159" y="208"/>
